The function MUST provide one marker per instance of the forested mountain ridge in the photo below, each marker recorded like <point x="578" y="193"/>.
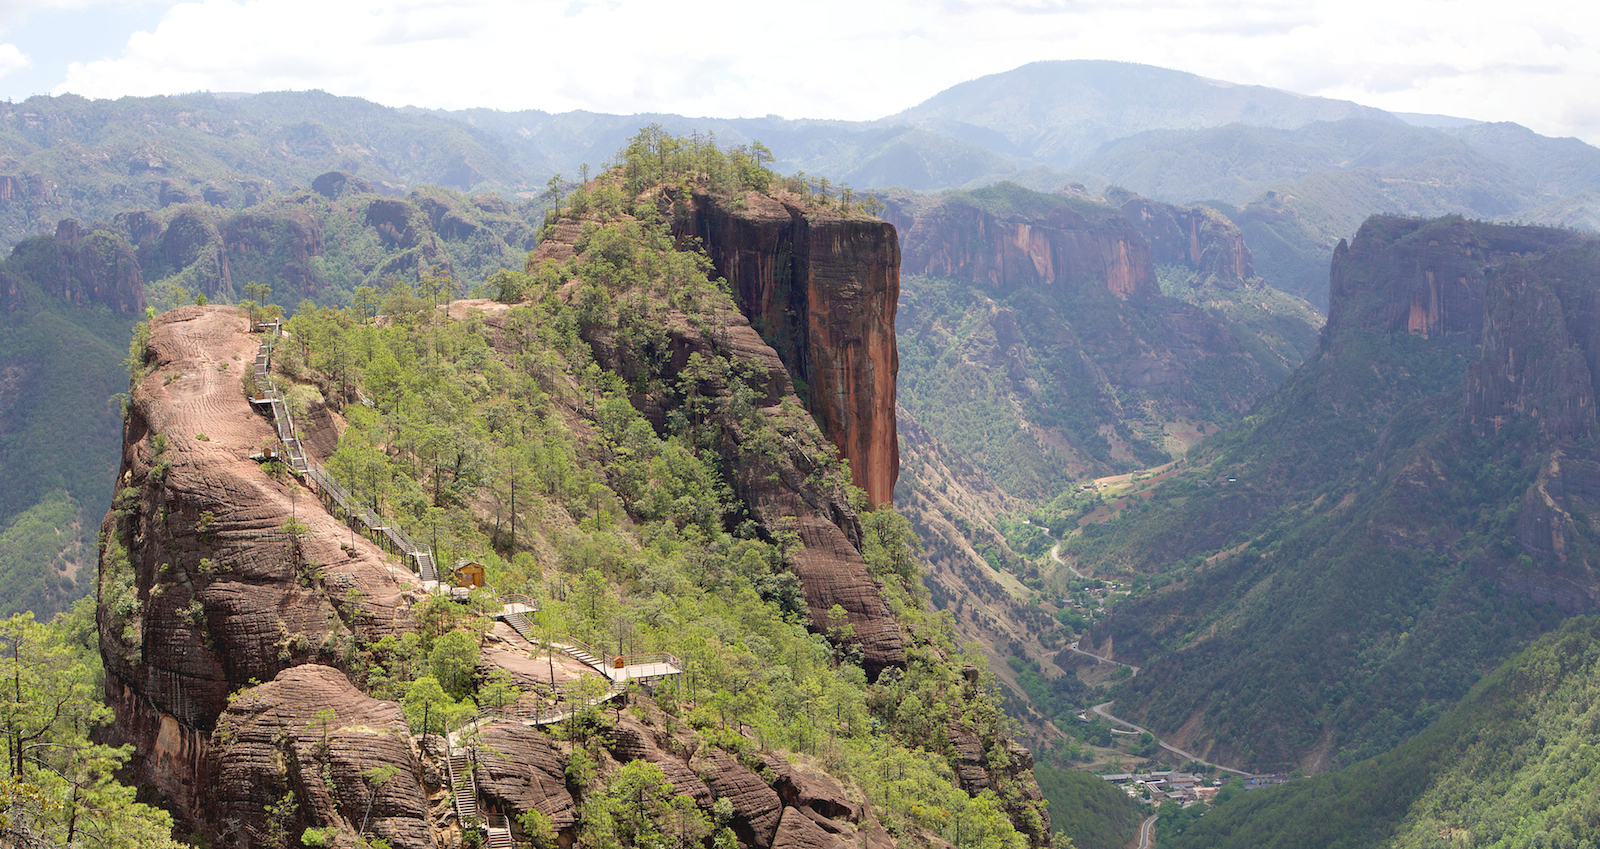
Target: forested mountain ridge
<point x="1512" y="764"/>
<point x="673" y="496"/>
<point x="1165" y="134"/>
<point x="1047" y="338"/>
<point x="68" y="300"/>
<point x="1337" y="570"/>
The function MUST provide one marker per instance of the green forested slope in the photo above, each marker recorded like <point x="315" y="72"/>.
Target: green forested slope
<point x="1094" y="813"/>
<point x="1335" y="572"/>
<point x="1515" y="764"/>
<point x="89" y="159"/>
<point x="555" y="443"/>
<point x="60" y="378"/>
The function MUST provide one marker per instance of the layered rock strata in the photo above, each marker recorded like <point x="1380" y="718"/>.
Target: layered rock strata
<point x="1067" y="247"/>
<point x="822" y="289"/>
<point x="311" y="736"/>
<point x="214" y="574"/>
<point x="1190" y="235"/>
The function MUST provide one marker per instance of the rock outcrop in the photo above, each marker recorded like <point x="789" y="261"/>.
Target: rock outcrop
<point x="311" y="736"/>
<point x="192" y="242"/>
<point x="336" y="183"/>
<point x="85" y="268"/>
<point x="1069" y="245"/>
<point x="1424" y="277"/>
<point x="1190" y="235"/>
<point x="289" y="241"/>
<point x="202" y="590"/>
<point x="781" y="491"/>
<point x="518" y="769"/>
<point x="784" y="495"/>
<point x="822" y="289"/>
<point x="755" y="804"/>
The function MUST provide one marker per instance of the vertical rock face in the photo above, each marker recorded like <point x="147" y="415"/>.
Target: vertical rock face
<point x="822" y="290"/>
<point x="86" y="268"/>
<point x="192" y="241"/>
<point x="1191" y="235"/>
<point x="1423" y="277"/>
<point x="781" y="492"/>
<point x="1066" y="247"/>
<point x="1541" y="346"/>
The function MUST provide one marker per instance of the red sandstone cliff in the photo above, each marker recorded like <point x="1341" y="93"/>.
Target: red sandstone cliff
<point x="822" y="289"/>
<point x="200" y="593"/>
<point x="1190" y="235"/>
<point x="782" y="492"/>
<point x="1068" y="247"/>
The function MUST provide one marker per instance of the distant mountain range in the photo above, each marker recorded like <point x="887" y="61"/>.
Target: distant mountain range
<point x="1296" y="173"/>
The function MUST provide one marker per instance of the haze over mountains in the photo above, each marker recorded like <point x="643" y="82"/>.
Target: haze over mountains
<point x="1326" y="511"/>
<point x="1296" y="172"/>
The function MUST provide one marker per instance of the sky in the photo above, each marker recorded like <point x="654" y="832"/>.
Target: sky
<point x="1535" y="62"/>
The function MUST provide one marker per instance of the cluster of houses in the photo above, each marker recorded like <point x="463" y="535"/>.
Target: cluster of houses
<point x="1164" y="786"/>
<point x="1156" y="788"/>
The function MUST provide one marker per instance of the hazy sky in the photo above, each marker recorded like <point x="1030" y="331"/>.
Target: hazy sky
<point x="1536" y="62"/>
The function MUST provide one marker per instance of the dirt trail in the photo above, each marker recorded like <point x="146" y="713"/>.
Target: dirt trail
<point x="194" y="391"/>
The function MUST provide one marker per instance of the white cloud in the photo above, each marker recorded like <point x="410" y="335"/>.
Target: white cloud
<point x="1535" y="62"/>
<point x="12" y="59"/>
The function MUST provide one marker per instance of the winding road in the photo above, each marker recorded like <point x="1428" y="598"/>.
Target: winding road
<point x="1147" y="832"/>
<point x="1055" y="554"/>
<point x="1100" y="709"/>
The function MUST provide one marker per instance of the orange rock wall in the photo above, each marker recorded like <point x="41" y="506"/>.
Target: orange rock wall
<point x="822" y="290"/>
<point x="1063" y="249"/>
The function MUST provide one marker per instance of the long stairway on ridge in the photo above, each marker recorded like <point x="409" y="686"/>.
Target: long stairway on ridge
<point x="268" y="393"/>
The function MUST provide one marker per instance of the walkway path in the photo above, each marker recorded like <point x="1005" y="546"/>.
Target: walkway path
<point x="381" y="529"/>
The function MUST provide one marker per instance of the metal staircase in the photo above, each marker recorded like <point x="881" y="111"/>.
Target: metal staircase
<point x="464" y="791"/>
<point x="519" y="623"/>
<point x="514" y="612"/>
<point x="499" y="830"/>
<point x="584" y="655"/>
<point x="463" y="788"/>
<point x="386" y="532"/>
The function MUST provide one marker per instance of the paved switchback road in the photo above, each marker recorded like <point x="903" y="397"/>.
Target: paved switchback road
<point x="1055" y="554"/>
<point x="1100" y="710"/>
<point x="1147" y="833"/>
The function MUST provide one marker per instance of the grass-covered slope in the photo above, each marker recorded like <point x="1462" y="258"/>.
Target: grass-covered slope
<point x="1513" y="765"/>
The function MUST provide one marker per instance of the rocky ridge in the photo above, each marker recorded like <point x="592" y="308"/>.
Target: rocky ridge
<point x="207" y="587"/>
<point x="830" y="566"/>
<point x="202" y="591"/>
<point x="822" y="289"/>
